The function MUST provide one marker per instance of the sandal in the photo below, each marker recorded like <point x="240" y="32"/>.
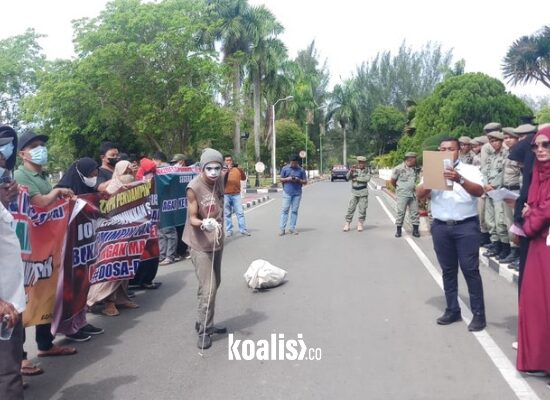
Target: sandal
<point x="110" y="310"/>
<point x="56" y="351"/>
<point x="29" y="369"/>
<point x="151" y="286"/>
<point x="129" y="305"/>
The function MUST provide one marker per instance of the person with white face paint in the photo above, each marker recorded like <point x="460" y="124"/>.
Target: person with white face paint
<point x="203" y="234"/>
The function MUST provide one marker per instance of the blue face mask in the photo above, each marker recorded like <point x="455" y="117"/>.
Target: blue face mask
<point x="7" y="150"/>
<point x="39" y="155"/>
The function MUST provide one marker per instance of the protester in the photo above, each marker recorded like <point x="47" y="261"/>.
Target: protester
<point x="168" y="237"/>
<point x="180" y="160"/>
<point x="455" y="235"/>
<point x="12" y="294"/>
<point x="33" y="152"/>
<point x="81" y="178"/>
<point x="232" y="196"/>
<point x="147" y="271"/>
<point x="114" y="293"/>
<point x="108" y="153"/>
<point x="293" y="177"/>
<point x="534" y="305"/>
<point x="203" y="233"/>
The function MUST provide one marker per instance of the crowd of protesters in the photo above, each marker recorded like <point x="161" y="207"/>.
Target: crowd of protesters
<point x="114" y="172"/>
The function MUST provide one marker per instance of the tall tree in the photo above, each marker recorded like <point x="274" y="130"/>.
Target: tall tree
<point x="21" y="59"/>
<point x="343" y="111"/>
<point x="528" y="59"/>
<point x="235" y="30"/>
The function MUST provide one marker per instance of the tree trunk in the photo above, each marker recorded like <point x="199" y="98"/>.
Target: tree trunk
<point x="345" y="148"/>
<point x="237" y="108"/>
<point x="257" y="114"/>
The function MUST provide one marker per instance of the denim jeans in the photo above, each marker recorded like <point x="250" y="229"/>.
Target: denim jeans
<point x="233" y="202"/>
<point x="291" y="203"/>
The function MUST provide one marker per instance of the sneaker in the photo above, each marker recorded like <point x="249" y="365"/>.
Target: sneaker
<point x="229" y="234"/>
<point x="515" y="345"/>
<point x="246" y="233"/>
<point x="131" y="294"/>
<point x="166" y="261"/>
<point x="205" y="342"/>
<point x="176" y="259"/>
<point x="293" y="232"/>
<point x="187" y="256"/>
<point x="281" y="233"/>
<point x="78" y="337"/>
<point x="548" y="385"/>
<point x="89" y="329"/>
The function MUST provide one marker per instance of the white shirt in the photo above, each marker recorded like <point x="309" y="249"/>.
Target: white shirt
<point x="457" y="204"/>
<point x="11" y="266"/>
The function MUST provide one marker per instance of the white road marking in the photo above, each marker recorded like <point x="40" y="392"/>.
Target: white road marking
<point x="508" y="371"/>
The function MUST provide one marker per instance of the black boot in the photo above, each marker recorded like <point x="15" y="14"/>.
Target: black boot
<point x="415" y="231"/>
<point x="513" y="256"/>
<point x="504" y="251"/>
<point x="485" y="238"/>
<point x="494" y="250"/>
<point x="398" y="231"/>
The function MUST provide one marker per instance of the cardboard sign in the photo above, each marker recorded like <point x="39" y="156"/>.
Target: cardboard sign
<point x="433" y="169"/>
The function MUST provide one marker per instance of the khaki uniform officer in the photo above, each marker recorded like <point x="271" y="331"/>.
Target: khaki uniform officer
<point x="466" y="155"/>
<point x="511" y="181"/>
<point x="360" y="178"/>
<point x="404" y="178"/>
<point x="477" y="145"/>
<point x="494" y="210"/>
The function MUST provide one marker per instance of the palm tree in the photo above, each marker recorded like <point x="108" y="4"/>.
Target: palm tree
<point x="528" y="59"/>
<point x="236" y="33"/>
<point x="342" y="111"/>
<point x="267" y="53"/>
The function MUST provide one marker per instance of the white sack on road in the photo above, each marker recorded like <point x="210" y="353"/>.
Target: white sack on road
<point x="262" y="274"/>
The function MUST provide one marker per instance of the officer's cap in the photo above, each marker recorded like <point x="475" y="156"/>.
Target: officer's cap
<point x="410" y="154"/>
<point x="510" y="132"/>
<point x="525" y="129"/>
<point x="482" y="139"/>
<point x="496" y="134"/>
<point x="465" y="140"/>
<point x="492" y="126"/>
<point x="361" y="158"/>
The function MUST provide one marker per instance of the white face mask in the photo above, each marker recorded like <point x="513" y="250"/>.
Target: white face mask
<point x="212" y="171"/>
<point x="90" y="182"/>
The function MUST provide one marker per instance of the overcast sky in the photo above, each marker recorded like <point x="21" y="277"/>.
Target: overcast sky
<point x="346" y="32"/>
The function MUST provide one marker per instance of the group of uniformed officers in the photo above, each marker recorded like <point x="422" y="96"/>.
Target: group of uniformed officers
<point x="490" y="153"/>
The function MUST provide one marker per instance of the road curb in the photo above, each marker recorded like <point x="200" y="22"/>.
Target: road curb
<point x="278" y="189"/>
<point x="255" y="202"/>
<point x="510" y="275"/>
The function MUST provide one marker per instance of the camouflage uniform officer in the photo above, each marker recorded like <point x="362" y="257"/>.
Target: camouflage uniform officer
<point x="404" y="178"/>
<point x="477" y="144"/>
<point x="511" y="181"/>
<point x="466" y="155"/>
<point x="494" y="210"/>
<point x="360" y="178"/>
<point x="486" y="151"/>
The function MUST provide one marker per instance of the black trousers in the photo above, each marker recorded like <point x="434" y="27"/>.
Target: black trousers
<point x="457" y="245"/>
<point x="44" y="338"/>
<point x="523" y="249"/>
<point x="11" y="352"/>
<point x="146" y="272"/>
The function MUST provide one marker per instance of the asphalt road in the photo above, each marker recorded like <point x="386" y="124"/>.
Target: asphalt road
<point x="366" y="300"/>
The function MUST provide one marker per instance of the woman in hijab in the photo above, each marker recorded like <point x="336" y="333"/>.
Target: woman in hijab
<point x="534" y="300"/>
<point x="114" y="293"/>
<point x="81" y="177"/>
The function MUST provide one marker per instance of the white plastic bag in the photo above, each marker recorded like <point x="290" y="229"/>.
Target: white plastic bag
<point x="261" y="275"/>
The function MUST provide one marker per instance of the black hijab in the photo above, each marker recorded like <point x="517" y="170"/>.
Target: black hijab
<point x="72" y="179"/>
<point x="522" y="153"/>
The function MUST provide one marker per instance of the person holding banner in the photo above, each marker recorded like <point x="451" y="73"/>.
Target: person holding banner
<point x="33" y="152"/>
<point x="203" y="233"/>
<point x="114" y="293"/>
<point x="109" y="156"/>
<point x="81" y="178"/>
<point x="12" y="293"/>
